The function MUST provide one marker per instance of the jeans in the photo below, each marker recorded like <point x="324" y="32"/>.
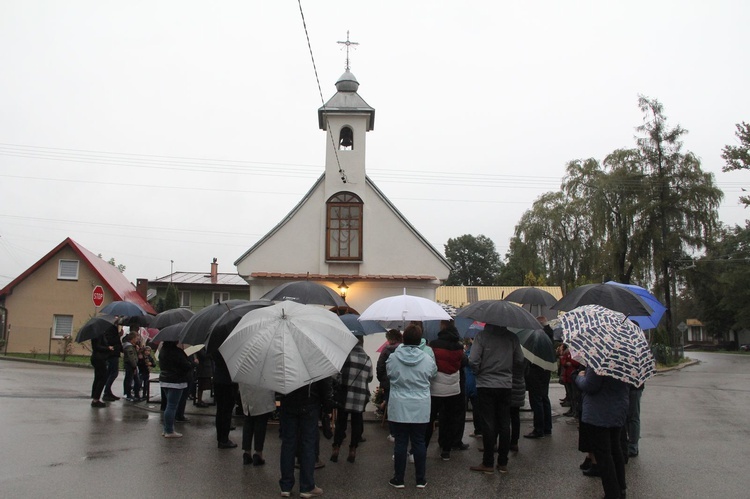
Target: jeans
<point x="173" y="401"/>
<point x="131" y="385"/>
<point x="254" y="429"/>
<point x="113" y="370"/>
<point x="404" y="434"/>
<point x="358" y="428"/>
<point x="539" y="402"/>
<point x="634" y="420"/>
<point x="494" y="409"/>
<point x="607" y="449"/>
<point x="100" y="377"/>
<point x="298" y="425"/>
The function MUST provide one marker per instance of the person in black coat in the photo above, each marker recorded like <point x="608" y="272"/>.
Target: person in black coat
<point x="225" y="395"/>
<point x="300" y="410"/>
<point x="99" y="353"/>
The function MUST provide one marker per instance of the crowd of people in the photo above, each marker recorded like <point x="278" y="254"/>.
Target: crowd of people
<point x="422" y="385"/>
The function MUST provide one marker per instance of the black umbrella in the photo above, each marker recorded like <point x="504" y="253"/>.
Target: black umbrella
<point x="197" y="327"/>
<point x="500" y="313"/>
<point x="532" y="296"/>
<point x="95" y="327"/>
<point x="122" y="308"/>
<point x="306" y="292"/>
<point x="137" y="320"/>
<point x="173" y="316"/>
<point x="170" y="333"/>
<point x="614" y="298"/>
<point x="224" y="325"/>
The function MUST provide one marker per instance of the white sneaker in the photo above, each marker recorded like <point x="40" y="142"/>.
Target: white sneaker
<point x="174" y="434"/>
<point x="391" y="438"/>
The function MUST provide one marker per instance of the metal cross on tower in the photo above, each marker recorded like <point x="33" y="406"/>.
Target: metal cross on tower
<point x="348" y="44"/>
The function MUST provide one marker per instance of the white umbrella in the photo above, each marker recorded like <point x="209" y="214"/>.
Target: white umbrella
<point x="404" y="308"/>
<point x="286" y="346"/>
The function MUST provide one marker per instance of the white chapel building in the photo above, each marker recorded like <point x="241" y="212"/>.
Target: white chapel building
<point x="345" y="230"/>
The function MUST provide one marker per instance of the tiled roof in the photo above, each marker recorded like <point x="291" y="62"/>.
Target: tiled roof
<point x="111" y="277"/>
<point x="201" y="278"/>
<point x="336" y="277"/>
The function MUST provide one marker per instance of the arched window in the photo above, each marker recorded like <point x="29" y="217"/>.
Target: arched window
<point x="344" y="227"/>
<point x="346" y="139"/>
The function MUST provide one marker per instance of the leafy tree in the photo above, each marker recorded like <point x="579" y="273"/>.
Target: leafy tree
<point x="112" y="262"/>
<point x="558" y="230"/>
<point x="719" y="281"/>
<point x="520" y="259"/>
<point x="738" y="157"/>
<point x="683" y="200"/>
<point x="475" y="261"/>
<point x="172" y="298"/>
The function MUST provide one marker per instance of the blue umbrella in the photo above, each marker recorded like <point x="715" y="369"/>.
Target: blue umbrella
<point x="122" y="308"/>
<point x="645" y="321"/>
<point x="361" y="328"/>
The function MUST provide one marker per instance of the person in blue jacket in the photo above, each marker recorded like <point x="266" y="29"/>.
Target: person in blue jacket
<point x="410" y="370"/>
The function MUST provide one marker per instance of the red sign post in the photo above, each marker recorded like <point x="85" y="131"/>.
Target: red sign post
<point x="98" y="296"/>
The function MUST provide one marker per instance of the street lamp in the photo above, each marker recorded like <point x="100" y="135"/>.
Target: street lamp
<point x="343" y="288"/>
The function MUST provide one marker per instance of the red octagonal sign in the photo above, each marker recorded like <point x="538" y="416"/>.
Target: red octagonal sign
<point x="98" y="296"/>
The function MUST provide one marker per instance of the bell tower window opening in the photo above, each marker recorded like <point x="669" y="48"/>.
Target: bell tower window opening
<point x="346" y="139"/>
<point x="344" y="227"/>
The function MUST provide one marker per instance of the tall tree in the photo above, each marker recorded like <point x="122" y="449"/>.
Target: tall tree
<point x="738" y="157"/>
<point x="558" y="230"/>
<point x="475" y="261"/>
<point x="171" y="298"/>
<point x="685" y="199"/>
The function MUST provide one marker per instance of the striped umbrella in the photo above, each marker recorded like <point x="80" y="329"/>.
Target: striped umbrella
<point x="609" y="343"/>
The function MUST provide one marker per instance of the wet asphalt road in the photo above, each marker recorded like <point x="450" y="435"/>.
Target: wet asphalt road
<point x="53" y="444"/>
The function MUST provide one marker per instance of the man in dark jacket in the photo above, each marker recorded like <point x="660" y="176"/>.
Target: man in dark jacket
<point x="112" y="339"/>
<point x="299" y="415"/>
<point x="537" y="384"/>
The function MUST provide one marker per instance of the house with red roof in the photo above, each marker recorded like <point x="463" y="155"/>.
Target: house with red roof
<point x="53" y="298"/>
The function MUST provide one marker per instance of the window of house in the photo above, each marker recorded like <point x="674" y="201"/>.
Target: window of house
<point x="68" y="270"/>
<point x="220" y="296"/>
<point x="185" y="299"/>
<point x="344" y="227"/>
<point x="62" y="326"/>
<point x="346" y="139"/>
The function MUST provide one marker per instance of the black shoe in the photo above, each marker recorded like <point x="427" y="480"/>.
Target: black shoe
<point x="98" y="403"/>
<point x="246" y="459"/>
<point x="592" y="471"/>
<point x="586" y="464"/>
<point x="568" y="414"/>
<point x="258" y="461"/>
<point x="632" y="454"/>
<point x="227" y="445"/>
<point x="445" y="455"/>
<point x="460" y="446"/>
<point x="202" y="405"/>
<point x="534" y="434"/>
<point x="182" y="420"/>
<point x="110" y="398"/>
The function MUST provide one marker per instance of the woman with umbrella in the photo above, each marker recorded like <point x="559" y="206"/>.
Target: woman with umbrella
<point x="175" y="373"/>
<point x="605" y="409"/>
<point x="410" y="371"/>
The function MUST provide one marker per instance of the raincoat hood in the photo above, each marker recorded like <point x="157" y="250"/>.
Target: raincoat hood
<point x="410" y="355"/>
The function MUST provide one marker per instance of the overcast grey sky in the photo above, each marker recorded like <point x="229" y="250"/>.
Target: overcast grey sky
<point x="152" y="131"/>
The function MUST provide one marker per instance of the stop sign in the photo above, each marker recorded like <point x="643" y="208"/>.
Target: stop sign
<point x="98" y="296"/>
